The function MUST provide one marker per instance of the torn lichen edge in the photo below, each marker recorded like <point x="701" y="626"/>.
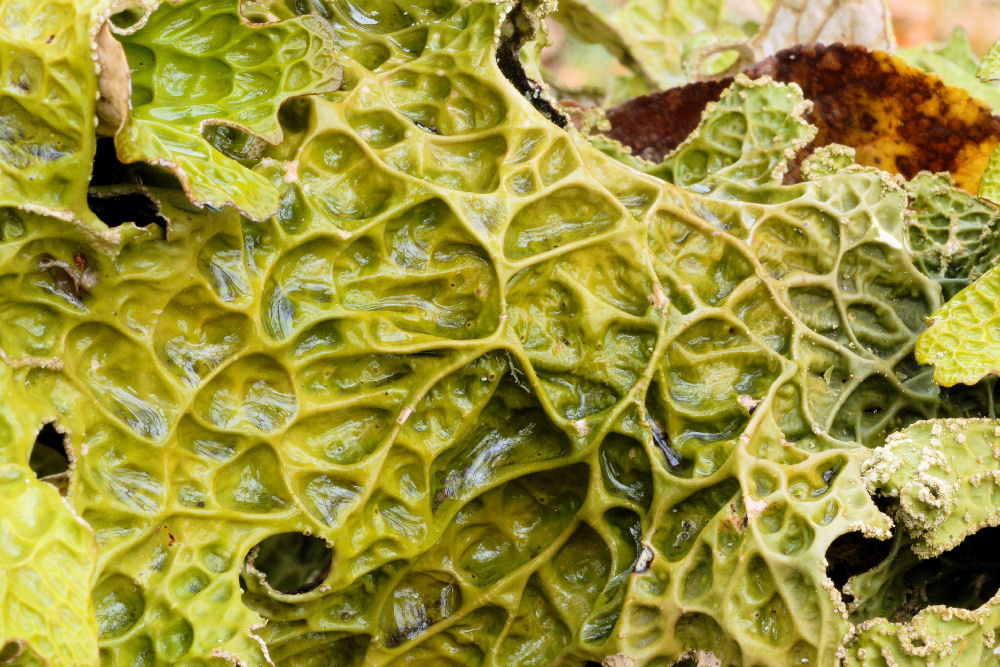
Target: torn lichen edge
<point x="118" y="103"/>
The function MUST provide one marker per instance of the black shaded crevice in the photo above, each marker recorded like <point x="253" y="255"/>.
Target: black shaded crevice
<point x="107" y="169"/>
<point x="49" y="459"/>
<point x="48" y="456"/>
<point x="116" y="193"/>
<point x="517" y="28"/>
<point x="965" y="577"/>
<point x="135" y="207"/>
<point x="853" y="553"/>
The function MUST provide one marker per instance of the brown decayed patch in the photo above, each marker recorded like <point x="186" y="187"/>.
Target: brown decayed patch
<point x="653" y="125"/>
<point x="896" y="117"/>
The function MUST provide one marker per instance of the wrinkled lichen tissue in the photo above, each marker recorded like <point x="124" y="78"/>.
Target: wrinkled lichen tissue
<point x="543" y="405"/>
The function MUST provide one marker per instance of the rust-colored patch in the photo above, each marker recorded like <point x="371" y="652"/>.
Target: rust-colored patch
<point x="653" y="125"/>
<point x="896" y="117"/>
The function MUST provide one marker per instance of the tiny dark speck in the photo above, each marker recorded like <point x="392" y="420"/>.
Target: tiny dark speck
<point x="49" y="40"/>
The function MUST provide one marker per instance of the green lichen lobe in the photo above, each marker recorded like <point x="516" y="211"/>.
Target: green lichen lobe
<point x="935" y="636"/>
<point x="543" y="408"/>
<point x="962" y="341"/>
<point x="945" y="476"/>
<point x="198" y="67"/>
<point x="47" y="559"/>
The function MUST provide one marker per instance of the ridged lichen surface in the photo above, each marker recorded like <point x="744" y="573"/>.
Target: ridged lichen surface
<point x="542" y="407"/>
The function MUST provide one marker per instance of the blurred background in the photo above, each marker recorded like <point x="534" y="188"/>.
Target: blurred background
<point x="919" y="21"/>
<point x="581" y="71"/>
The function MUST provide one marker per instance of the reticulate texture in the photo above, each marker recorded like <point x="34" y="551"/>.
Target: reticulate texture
<point x="542" y="407"/>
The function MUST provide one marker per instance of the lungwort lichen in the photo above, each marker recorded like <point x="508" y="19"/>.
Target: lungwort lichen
<point x="518" y="402"/>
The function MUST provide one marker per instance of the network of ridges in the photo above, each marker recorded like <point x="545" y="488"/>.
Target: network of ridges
<point x="935" y="636"/>
<point x="944" y="475"/>
<point x="460" y="182"/>
<point x="177" y="500"/>
<point x="735" y="563"/>
<point x="955" y="237"/>
<point x="200" y="65"/>
<point x="86" y="365"/>
<point x="47" y="102"/>
<point x="192" y="337"/>
<point x="380" y="36"/>
<point x="47" y="554"/>
<point x="407" y="351"/>
<point x="748" y="136"/>
<point x="798" y="322"/>
<point x="47" y="558"/>
<point x="554" y="343"/>
<point x="963" y="339"/>
<point x="812" y="305"/>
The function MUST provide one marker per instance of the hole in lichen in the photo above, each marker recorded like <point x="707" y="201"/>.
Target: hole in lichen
<point x="48" y="457"/>
<point x="115" y="195"/>
<point x="291" y="563"/>
<point x="130" y="18"/>
<point x="107" y="169"/>
<point x="9" y="652"/>
<point x="135" y="207"/>
<point x="295" y="115"/>
<point x="853" y="553"/>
